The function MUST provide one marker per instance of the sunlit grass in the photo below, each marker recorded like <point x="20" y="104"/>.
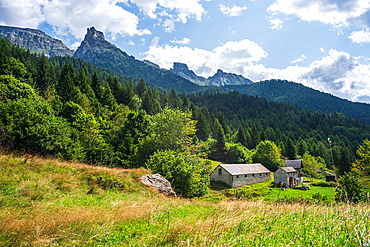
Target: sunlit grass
<point x="50" y="202"/>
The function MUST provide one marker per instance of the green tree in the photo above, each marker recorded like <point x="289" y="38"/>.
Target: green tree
<point x="219" y="135"/>
<point x="189" y="175"/>
<point x="290" y="151"/>
<point x="254" y="140"/>
<point x="66" y="85"/>
<point x="241" y="137"/>
<point x="313" y="167"/>
<point x="349" y="189"/>
<point x="268" y="154"/>
<point x="361" y="166"/>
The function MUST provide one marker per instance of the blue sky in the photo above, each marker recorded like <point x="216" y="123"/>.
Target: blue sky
<point x="323" y="44"/>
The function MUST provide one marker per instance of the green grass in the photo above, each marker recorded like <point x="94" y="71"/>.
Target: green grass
<point x="49" y="202"/>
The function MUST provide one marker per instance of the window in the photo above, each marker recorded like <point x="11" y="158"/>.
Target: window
<point x="260" y="174"/>
<point x="246" y="175"/>
<point x="252" y="175"/>
<point x="219" y="171"/>
<point x="237" y="176"/>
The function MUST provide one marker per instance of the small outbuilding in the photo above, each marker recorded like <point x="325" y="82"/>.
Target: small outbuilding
<point x="237" y="175"/>
<point x="330" y="177"/>
<point x="288" y="176"/>
<point x="296" y="164"/>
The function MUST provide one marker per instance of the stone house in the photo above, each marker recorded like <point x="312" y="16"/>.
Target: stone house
<point x="237" y="175"/>
<point x="288" y="176"/>
<point x="296" y="164"/>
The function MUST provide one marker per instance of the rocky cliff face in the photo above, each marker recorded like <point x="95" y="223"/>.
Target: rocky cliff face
<point x="182" y="70"/>
<point x="35" y="40"/>
<point x="94" y="45"/>
<point x="219" y="79"/>
<point x="98" y="51"/>
<point x="222" y="79"/>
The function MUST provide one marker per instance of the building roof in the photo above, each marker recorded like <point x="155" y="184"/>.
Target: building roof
<point x="296" y="164"/>
<point x="330" y="174"/>
<point x="288" y="169"/>
<point x="239" y="169"/>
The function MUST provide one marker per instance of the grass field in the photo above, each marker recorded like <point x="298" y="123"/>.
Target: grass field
<point x="55" y="203"/>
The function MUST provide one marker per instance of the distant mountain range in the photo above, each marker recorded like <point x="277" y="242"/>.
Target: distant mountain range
<point x="219" y="79"/>
<point x="97" y="50"/>
<point x="36" y="41"/>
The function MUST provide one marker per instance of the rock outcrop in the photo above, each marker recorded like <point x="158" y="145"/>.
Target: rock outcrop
<point x="35" y="40"/>
<point x="182" y="70"/>
<point x="158" y="182"/>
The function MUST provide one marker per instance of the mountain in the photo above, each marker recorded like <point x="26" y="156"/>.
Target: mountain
<point x="35" y="40"/>
<point x="222" y="79"/>
<point x="98" y="51"/>
<point x="219" y="79"/>
<point x="182" y="70"/>
<point x="308" y="98"/>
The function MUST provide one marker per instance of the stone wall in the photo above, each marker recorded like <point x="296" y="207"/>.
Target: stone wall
<point x="239" y="180"/>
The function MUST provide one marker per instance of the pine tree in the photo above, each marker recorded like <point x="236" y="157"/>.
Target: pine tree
<point x="96" y="85"/>
<point x="290" y="150"/>
<point x="254" y="140"/>
<point x="219" y="135"/>
<point x="66" y="86"/>
<point x="108" y="98"/>
<point x="44" y="78"/>
<point x="344" y="164"/>
<point x="140" y="88"/>
<point x="241" y="137"/>
<point x="203" y="129"/>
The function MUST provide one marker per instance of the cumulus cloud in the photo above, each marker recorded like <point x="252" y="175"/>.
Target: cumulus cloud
<point x="360" y="37"/>
<point x="185" y="9"/>
<point x="231" y="56"/>
<point x="300" y="59"/>
<point x="339" y="13"/>
<point x="337" y="72"/>
<point x="72" y="16"/>
<point x="184" y="41"/>
<point x="276" y="23"/>
<point x="233" y="11"/>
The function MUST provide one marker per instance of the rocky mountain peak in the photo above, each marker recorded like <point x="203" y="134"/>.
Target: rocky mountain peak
<point x="180" y="66"/>
<point x="94" y="34"/>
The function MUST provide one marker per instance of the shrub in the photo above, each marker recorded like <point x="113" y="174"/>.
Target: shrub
<point x="188" y="175"/>
<point x="324" y="184"/>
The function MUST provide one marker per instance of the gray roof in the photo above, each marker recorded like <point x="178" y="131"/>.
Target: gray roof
<point x="331" y="174"/>
<point x="296" y="164"/>
<point x="288" y="169"/>
<point x="239" y="169"/>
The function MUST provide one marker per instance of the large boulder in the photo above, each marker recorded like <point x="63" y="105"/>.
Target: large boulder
<point x="159" y="182"/>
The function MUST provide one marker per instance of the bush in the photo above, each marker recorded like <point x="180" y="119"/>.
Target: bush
<point x="349" y="189"/>
<point x="238" y="154"/>
<point x="324" y="184"/>
<point x="188" y="175"/>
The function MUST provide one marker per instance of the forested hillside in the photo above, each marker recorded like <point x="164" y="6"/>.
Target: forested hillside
<point x="70" y="109"/>
<point x="308" y="98"/>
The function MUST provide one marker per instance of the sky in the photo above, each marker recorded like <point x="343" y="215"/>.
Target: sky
<point x="322" y="44"/>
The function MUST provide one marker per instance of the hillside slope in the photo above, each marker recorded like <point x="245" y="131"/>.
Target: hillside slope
<point x="307" y="98"/>
<point x="98" y="51"/>
<point x="35" y="40"/>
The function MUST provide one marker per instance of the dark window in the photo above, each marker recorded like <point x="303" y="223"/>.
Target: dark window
<point x="260" y="174"/>
<point x="220" y="172"/>
<point x="252" y="175"/>
<point x="246" y="175"/>
<point x="237" y="176"/>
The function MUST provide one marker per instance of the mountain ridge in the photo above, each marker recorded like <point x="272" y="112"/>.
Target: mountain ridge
<point x="35" y="40"/>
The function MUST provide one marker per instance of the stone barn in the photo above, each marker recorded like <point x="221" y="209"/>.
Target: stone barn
<point x="237" y="175"/>
<point x="296" y="164"/>
<point x="288" y="176"/>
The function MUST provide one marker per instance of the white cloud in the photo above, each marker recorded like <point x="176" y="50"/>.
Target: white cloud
<point x="338" y="13"/>
<point x="232" y="56"/>
<point x="300" y="59"/>
<point x="276" y="23"/>
<point x="360" y="37"/>
<point x="233" y="11"/>
<point x="184" y="41"/>
<point x="337" y="73"/>
<point x="169" y="25"/>
<point x="322" y="50"/>
<point x="72" y="16"/>
<point x="185" y="9"/>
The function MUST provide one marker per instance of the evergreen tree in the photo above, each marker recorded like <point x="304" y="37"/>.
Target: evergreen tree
<point x="262" y="135"/>
<point x="222" y="121"/>
<point x="302" y="147"/>
<point x="219" y="135"/>
<point x="140" y="88"/>
<point x="241" y="137"/>
<point x="253" y="141"/>
<point x="117" y="90"/>
<point x="344" y="164"/>
<point x="203" y="129"/>
<point x="44" y="78"/>
<point x="290" y="151"/>
<point x="66" y="86"/>
<point x="96" y="85"/>
<point x="108" y="98"/>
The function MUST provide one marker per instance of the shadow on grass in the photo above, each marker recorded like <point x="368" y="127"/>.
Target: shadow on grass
<point x="219" y="186"/>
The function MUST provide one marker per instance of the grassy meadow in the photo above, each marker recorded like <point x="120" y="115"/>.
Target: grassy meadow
<point x="47" y="202"/>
